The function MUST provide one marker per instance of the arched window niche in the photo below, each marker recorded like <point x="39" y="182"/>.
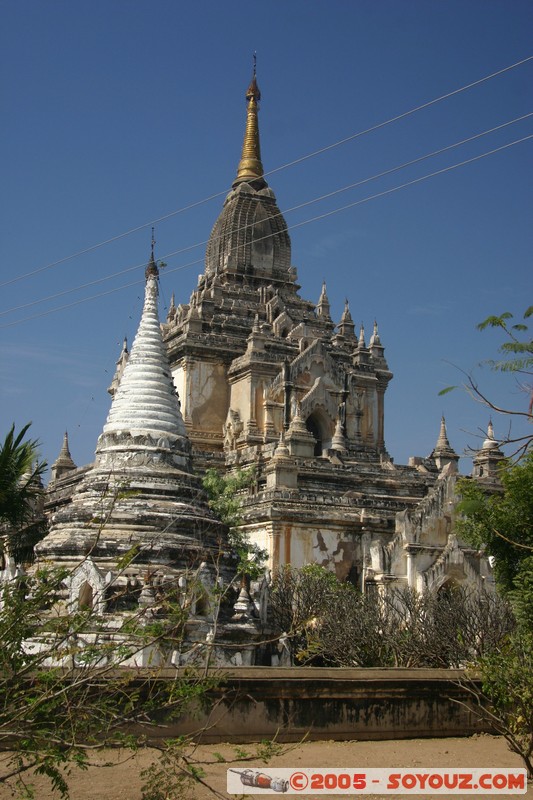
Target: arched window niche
<point x="319" y="425"/>
<point x="85" y="596"/>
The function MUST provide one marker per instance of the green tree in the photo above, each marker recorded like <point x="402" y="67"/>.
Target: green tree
<point x="506" y="700"/>
<point x="68" y="688"/>
<point x="517" y="354"/>
<point x="225" y="494"/>
<point x="21" y="471"/>
<point x="502" y="524"/>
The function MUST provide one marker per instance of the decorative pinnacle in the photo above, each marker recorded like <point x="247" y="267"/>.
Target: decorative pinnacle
<point x="442" y="441"/>
<point x="346" y="316"/>
<point x="250" y="167"/>
<point x="64" y="460"/>
<point x="490" y="442"/>
<point x="323" y="307"/>
<point x="374" y="339"/>
<point x="253" y="88"/>
<point x="65" y="448"/>
<point x="151" y="268"/>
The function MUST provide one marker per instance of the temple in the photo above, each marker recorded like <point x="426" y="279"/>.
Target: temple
<point x="248" y="376"/>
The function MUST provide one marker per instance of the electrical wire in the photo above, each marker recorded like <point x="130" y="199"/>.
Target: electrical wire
<point x="315" y="153"/>
<point x="290" y="227"/>
<point x="326" y="196"/>
<point x="400" y="116"/>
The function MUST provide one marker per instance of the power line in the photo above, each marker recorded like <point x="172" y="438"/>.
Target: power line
<point x="401" y="116"/>
<point x="326" y="196"/>
<point x="270" y="172"/>
<point x="412" y="182"/>
<point x="290" y="227"/>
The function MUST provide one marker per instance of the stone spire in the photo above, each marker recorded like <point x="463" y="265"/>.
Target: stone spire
<point x="171" y="314"/>
<point x="63" y="462"/>
<point x="443" y="452"/>
<point x="346" y="325"/>
<point x="442" y="441"/>
<point x="323" y="306"/>
<point x="377" y="351"/>
<point x="250" y="167"/>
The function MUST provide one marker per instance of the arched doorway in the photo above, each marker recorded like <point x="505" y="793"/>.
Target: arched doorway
<point x="317" y="424"/>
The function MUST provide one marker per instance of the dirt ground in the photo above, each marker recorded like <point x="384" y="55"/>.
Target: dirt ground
<point x="116" y="775"/>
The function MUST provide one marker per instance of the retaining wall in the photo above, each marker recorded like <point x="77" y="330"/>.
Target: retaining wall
<point x="254" y="703"/>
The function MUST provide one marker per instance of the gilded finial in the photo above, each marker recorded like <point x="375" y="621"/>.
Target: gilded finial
<point x="250" y="167"/>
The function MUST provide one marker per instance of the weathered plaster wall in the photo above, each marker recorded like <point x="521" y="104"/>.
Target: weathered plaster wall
<point x="290" y="543"/>
<point x="204" y="394"/>
<point x="242" y="398"/>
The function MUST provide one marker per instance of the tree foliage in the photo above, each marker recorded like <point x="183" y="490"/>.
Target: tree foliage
<point x="504" y="700"/>
<point x="21" y="472"/>
<point x="70" y="680"/>
<point x="517" y="353"/>
<point x="225" y="493"/>
<point x="502" y="524"/>
<point x="516" y="359"/>
<point x="333" y="623"/>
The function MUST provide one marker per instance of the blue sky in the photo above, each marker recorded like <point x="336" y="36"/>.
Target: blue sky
<point x="119" y="113"/>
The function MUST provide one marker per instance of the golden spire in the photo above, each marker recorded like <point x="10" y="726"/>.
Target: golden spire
<point x="250" y="167"/>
